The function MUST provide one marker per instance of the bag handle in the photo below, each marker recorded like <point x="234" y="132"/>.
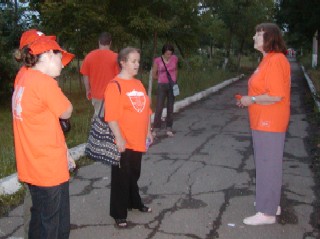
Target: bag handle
<point x="102" y="103"/>
<point x="169" y="78"/>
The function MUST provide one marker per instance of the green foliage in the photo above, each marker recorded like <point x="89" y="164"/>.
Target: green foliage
<point x="8" y="202"/>
<point x="239" y="19"/>
<point x="10" y="29"/>
<point x="300" y="19"/>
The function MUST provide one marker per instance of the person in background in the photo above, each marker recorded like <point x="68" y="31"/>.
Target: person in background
<point x="164" y="91"/>
<point x="40" y="147"/>
<point x="98" y="69"/>
<point x="128" y="115"/>
<point x="268" y="103"/>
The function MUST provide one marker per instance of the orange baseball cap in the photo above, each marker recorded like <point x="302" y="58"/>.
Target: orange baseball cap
<point x="43" y="44"/>
<point x="30" y="36"/>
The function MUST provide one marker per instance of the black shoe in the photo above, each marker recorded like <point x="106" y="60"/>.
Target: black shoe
<point x="145" y="209"/>
<point x="121" y="223"/>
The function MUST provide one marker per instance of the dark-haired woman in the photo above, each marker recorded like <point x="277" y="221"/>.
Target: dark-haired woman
<point x="40" y="147"/>
<point x="268" y="103"/>
<point x="164" y="92"/>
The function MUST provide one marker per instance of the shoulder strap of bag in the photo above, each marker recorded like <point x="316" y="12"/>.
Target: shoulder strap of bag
<point x="102" y="104"/>
<point x="169" y="78"/>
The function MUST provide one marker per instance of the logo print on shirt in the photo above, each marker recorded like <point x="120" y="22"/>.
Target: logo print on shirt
<point x="137" y="99"/>
<point x="16" y="103"/>
<point x="265" y="124"/>
<point x="40" y="33"/>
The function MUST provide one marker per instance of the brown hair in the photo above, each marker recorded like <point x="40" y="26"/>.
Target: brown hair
<point x="30" y="60"/>
<point x="167" y="47"/>
<point x="18" y="55"/>
<point x="105" y="38"/>
<point x="272" y="38"/>
<point x="124" y="53"/>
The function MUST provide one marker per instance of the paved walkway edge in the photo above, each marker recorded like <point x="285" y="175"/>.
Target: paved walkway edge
<point x="311" y="87"/>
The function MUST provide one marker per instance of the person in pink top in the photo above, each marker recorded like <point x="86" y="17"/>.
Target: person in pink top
<point x="164" y="92"/>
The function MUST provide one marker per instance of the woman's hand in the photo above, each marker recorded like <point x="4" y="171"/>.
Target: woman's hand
<point x="71" y="163"/>
<point x="121" y="143"/>
<point x="150" y="137"/>
<point x="245" y="101"/>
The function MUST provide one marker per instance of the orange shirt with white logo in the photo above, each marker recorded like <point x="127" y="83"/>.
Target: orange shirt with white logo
<point x="40" y="147"/>
<point x="101" y="67"/>
<point x="272" y="77"/>
<point x="131" y="109"/>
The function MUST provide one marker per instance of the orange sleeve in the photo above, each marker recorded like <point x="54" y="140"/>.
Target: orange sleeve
<point x="113" y="106"/>
<point x="53" y="97"/>
<point x="84" y="70"/>
<point x="275" y="77"/>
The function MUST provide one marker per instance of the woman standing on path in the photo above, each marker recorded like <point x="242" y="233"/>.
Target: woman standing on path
<point x="40" y="147"/>
<point x="128" y="114"/>
<point x="166" y="62"/>
<point x="268" y="103"/>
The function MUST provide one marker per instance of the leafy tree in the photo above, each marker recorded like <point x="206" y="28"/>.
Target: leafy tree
<point x="10" y="30"/>
<point x="300" y="19"/>
<point x="240" y="17"/>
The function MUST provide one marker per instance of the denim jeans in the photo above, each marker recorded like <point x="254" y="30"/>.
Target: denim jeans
<point x="164" y="93"/>
<point x="50" y="212"/>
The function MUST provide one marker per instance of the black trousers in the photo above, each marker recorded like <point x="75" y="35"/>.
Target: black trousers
<point x="164" y="93"/>
<point x="124" y="191"/>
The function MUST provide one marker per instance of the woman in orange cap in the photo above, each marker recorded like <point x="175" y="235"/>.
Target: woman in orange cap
<point x="40" y="147"/>
<point x="26" y="39"/>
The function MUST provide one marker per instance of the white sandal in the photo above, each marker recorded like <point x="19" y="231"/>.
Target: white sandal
<point x="170" y="133"/>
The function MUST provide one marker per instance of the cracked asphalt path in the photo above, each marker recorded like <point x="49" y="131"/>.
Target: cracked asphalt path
<point x="200" y="183"/>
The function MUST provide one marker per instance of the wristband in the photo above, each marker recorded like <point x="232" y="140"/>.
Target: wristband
<point x="253" y="99"/>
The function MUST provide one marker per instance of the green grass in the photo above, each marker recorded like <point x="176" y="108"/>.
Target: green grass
<point x="314" y="73"/>
<point x="8" y="202"/>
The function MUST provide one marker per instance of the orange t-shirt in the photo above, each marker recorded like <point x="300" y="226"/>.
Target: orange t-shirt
<point x="40" y="147"/>
<point x="20" y="74"/>
<point x="131" y="109"/>
<point x="272" y="77"/>
<point x="100" y="66"/>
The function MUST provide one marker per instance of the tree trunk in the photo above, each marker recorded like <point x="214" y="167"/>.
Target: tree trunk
<point x="240" y="54"/>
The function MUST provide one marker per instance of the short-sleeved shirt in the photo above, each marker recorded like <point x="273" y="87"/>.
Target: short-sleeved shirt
<point x="40" y="147"/>
<point x="171" y="66"/>
<point x="131" y="109"/>
<point x="20" y="74"/>
<point x="272" y="77"/>
<point x="100" y="66"/>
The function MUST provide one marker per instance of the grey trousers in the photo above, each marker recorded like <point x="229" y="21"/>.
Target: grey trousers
<point x="268" y="156"/>
<point x="96" y="105"/>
